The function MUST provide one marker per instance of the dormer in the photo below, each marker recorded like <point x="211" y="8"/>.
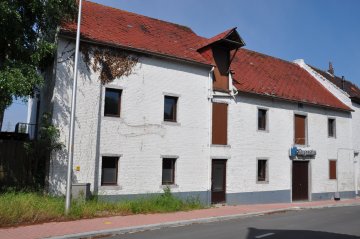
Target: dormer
<point x="220" y="50"/>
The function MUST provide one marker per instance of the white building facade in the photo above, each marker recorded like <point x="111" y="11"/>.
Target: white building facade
<point x="351" y="98"/>
<point x="167" y="124"/>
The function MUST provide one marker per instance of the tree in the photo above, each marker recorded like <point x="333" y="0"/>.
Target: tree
<point x="28" y="31"/>
<point x="39" y="150"/>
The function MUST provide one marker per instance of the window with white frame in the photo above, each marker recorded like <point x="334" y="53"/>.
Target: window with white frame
<point x="331" y="127"/>
<point x="109" y="170"/>
<point x="262" y="119"/>
<point x="262" y="175"/>
<point x="112" y="104"/>
<point x="168" y="171"/>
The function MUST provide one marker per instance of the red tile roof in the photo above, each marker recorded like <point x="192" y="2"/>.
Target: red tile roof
<point x="349" y="87"/>
<point x="121" y="28"/>
<point x="216" y="38"/>
<point x="261" y="74"/>
<point x="254" y="72"/>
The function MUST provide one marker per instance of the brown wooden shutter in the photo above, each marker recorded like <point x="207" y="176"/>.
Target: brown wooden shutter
<point x="219" y="124"/>
<point x="222" y="64"/>
<point x="300" y="134"/>
<point x="332" y="169"/>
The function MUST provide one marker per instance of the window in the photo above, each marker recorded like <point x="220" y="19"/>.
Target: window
<point x="221" y="71"/>
<point x="332" y="169"/>
<point x="170" y="105"/>
<point x="219" y="124"/>
<point x="262" y="170"/>
<point x="300" y="130"/>
<point x="331" y="128"/>
<point x="109" y="170"/>
<point x="168" y="171"/>
<point x="262" y="119"/>
<point x="112" y="102"/>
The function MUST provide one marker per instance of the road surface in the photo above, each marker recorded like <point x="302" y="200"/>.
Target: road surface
<point x="328" y="223"/>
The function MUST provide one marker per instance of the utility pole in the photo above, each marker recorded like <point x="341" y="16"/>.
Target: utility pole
<point x="72" y="117"/>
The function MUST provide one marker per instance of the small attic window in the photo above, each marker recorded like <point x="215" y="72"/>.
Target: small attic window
<point x="221" y="71"/>
<point x="222" y="59"/>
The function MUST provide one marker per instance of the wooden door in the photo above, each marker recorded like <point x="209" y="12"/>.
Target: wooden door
<point x="300" y="180"/>
<point x="218" y="181"/>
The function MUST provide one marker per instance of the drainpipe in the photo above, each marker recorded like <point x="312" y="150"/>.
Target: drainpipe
<point x="233" y="90"/>
<point x="210" y="96"/>
<point x="356" y="171"/>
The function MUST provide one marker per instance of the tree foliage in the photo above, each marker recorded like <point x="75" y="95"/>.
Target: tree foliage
<point x="27" y="43"/>
<point x="39" y="150"/>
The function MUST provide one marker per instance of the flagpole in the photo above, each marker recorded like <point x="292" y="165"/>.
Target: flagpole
<point x="72" y="117"/>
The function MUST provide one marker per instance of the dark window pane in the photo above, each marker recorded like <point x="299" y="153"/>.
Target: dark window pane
<point x="331" y="127"/>
<point x="170" y="108"/>
<point x="218" y="179"/>
<point x="109" y="170"/>
<point x="168" y="171"/>
<point x="112" y="102"/>
<point x="221" y="70"/>
<point x="262" y="119"/>
<point x="261" y="174"/>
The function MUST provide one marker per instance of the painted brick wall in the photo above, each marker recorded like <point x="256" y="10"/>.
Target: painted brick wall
<point x="140" y="136"/>
<point x="356" y="139"/>
<point x="247" y="144"/>
<point x="355" y="116"/>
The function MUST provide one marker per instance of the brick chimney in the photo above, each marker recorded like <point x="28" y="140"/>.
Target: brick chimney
<point x="331" y="68"/>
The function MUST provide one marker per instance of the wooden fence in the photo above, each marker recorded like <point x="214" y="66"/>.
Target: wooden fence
<point x="15" y="165"/>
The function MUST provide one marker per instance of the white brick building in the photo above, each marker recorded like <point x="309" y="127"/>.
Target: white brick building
<point x="180" y="119"/>
<point x="349" y="94"/>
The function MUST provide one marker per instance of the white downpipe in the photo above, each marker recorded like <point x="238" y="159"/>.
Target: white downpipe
<point x="210" y="96"/>
<point x="356" y="172"/>
<point x="233" y="90"/>
<point x="72" y="117"/>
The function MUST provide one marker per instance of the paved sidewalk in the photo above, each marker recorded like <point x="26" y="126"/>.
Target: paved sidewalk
<point x="117" y="224"/>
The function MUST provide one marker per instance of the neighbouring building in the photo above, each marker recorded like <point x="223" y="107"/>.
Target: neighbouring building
<point x="349" y="94"/>
<point x="205" y="117"/>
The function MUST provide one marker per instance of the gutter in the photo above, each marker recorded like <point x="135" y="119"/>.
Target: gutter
<point x="297" y="101"/>
<point x="68" y="35"/>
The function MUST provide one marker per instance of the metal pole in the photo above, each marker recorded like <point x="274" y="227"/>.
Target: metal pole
<point x="72" y="117"/>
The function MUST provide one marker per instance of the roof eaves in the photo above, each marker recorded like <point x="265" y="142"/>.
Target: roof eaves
<point x="217" y="38"/>
<point x="299" y="101"/>
<point x="71" y="35"/>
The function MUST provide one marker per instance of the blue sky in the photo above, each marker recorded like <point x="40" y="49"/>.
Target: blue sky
<point x="317" y="31"/>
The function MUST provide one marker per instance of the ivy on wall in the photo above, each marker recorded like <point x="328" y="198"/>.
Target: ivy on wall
<point x="110" y="62"/>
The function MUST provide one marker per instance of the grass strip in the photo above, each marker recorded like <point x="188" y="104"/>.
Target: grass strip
<point x="19" y="208"/>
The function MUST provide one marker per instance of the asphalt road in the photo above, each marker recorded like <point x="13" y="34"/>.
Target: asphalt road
<point x="328" y="223"/>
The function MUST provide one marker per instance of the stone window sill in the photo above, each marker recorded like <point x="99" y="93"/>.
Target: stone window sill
<point x="171" y="186"/>
<point x="110" y="187"/>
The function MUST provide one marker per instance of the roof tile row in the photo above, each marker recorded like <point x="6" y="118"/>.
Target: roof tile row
<point x="253" y="72"/>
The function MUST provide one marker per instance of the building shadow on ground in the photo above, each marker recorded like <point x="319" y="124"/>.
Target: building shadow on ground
<point x="294" y="234"/>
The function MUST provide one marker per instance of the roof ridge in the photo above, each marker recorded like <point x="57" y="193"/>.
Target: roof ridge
<point x="333" y="75"/>
<point x="137" y="14"/>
